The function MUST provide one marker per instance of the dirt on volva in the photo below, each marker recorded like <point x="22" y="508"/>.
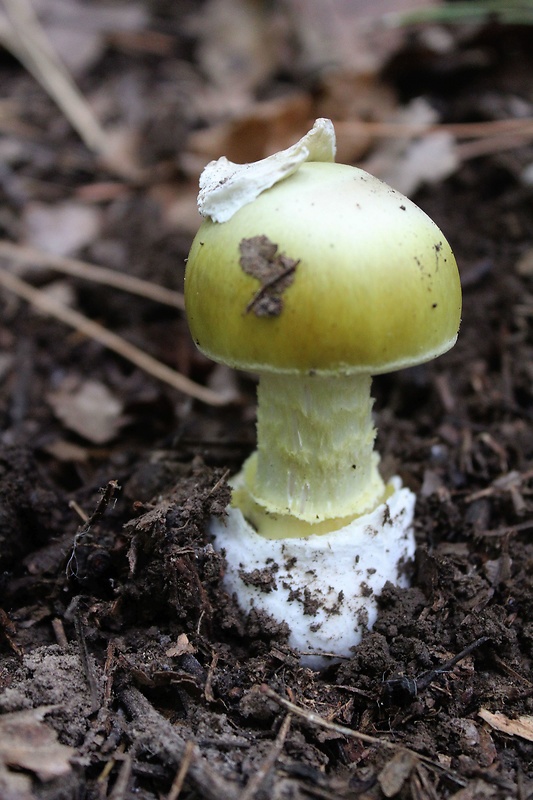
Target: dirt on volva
<point x="125" y="669"/>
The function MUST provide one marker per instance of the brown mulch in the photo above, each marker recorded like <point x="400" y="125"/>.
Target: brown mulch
<point x="125" y="670"/>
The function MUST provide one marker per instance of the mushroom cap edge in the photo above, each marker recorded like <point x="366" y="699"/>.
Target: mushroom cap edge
<point x="376" y="286"/>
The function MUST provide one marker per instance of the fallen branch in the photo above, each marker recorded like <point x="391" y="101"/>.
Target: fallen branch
<point x="107" y="338"/>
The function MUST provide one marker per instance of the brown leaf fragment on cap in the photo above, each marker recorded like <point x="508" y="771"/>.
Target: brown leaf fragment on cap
<point x="275" y="272"/>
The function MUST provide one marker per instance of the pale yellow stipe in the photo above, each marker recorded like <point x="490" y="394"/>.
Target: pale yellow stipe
<point x="315" y="468"/>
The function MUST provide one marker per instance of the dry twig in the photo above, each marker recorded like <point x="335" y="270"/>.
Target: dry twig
<point x="179" y="780"/>
<point x="491" y="136"/>
<point x="316" y="719"/>
<point x="260" y="776"/>
<point x="461" y="130"/>
<point x="21" y="254"/>
<point x="22" y="34"/>
<point x="59" y="633"/>
<point x="112" y="341"/>
<point x="120" y="788"/>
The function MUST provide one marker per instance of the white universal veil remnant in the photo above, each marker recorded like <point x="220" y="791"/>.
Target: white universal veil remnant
<point x="316" y="276"/>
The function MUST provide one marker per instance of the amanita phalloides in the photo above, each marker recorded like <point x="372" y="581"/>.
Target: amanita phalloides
<point x="316" y="276"/>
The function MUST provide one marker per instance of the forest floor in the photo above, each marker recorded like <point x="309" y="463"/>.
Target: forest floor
<point x="125" y="669"/>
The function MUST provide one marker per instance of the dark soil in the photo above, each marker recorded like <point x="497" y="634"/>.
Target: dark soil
<point x="118" y="623"/>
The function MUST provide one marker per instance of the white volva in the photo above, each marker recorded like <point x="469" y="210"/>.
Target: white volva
<point x="323" y="586"/>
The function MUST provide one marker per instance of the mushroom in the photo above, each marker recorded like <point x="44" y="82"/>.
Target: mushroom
<point x="316" y="276"/>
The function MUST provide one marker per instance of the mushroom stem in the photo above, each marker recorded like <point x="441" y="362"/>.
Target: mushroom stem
<point x="315" y="459"/>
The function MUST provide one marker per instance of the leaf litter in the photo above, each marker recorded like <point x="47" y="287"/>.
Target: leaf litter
<point x="157" y="682"/>
<point x="275" y="272"/>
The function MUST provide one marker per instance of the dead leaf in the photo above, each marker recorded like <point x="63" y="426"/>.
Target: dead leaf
<point x="345" y="95"/>
<point x="14" y="785"/>
<point x="237" y="50"/>
<point x="428" y="160"/>
<point x="62" y="229"/>
<point x="467" y="730"/>
<point x="79" y="33"/>
<point x="524" y="265"/>
<point x="181" y="648"/>
<point x="348" y="95"/>
<point x="66" y="451"/>
<point x="264" y="128"/>
<point x="476" y="789"/>
<point x="26" y="743"/>
<point x="89" y="409"/>
<point x="346" y="33"/>
<point x="406" y="163"/>
<point x="78" y="48"/>
<point x="521" y="726"/>
<point x="223" y="379"/>
<point x="395" y="772"/>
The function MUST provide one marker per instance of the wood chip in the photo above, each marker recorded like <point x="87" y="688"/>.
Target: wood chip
<point x="521" y="726"/>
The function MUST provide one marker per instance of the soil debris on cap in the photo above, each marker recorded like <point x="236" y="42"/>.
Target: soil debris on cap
<point x="275" y="272"/>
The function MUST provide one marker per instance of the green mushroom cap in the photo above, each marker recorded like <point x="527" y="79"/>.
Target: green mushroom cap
<point x="328" y="271"/>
